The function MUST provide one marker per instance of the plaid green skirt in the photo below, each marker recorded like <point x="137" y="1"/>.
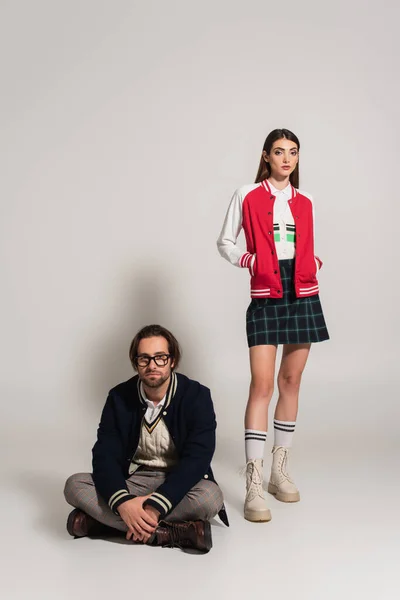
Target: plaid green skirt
<point x="287" y="320"/>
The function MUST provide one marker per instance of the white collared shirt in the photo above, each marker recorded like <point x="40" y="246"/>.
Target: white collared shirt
<point x="153" y="410"/>
<point x="284" y="228"/>
<point x="155" y="446"/>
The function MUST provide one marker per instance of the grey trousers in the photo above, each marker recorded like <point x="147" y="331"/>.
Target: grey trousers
<point x="203" y="501"/>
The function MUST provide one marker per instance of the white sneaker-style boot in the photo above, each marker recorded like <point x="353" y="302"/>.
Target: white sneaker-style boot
<point x="255" y="507"/>
<point x="280" y="485"/>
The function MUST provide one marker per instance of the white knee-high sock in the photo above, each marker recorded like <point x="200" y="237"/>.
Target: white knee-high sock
<point x="254" y="442"/>
<point x="283" y="433"/>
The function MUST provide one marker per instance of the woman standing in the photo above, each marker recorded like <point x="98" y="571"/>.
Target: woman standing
<point x="278" y="222"/>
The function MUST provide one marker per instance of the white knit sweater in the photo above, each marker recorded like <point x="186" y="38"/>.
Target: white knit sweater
<point x="156" y="448"/>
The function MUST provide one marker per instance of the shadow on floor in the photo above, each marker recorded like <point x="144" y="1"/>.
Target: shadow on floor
<point x="46" y="490"/>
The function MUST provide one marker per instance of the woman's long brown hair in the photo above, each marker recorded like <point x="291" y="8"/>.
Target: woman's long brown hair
<point x="264" y="170"/>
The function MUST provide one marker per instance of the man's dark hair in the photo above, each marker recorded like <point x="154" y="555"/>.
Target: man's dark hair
<point x="155" y="331"/>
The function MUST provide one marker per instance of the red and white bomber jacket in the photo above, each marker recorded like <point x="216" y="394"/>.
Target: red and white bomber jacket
<point x="251" y="208"/>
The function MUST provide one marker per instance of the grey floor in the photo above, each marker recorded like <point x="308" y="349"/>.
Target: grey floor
<point x="340" y="541"/>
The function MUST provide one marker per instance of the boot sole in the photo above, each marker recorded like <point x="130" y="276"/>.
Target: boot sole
<point x="282" y="496"/>
<point x="257" y="516"/>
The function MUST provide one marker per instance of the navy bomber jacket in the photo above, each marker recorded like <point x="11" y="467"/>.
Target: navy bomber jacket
<point x="189" y="416"/>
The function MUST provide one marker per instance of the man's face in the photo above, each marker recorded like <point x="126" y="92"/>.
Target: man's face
<point x="154" y="375"/>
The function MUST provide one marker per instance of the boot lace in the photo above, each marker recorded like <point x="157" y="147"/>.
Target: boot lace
<point x="176" y="536"/>
<point x="254" y="481"/>
<point x="283" y="464"/>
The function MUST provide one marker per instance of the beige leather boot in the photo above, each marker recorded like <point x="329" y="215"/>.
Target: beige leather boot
<point x="255" y="507"/>
<point x="280" y="484"/>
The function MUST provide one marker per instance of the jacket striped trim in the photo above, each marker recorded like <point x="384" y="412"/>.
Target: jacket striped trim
<point x="245" y="260"/>
<point x="117" y="497"/>
<point x="261" y="292"/>
<point x="309" y="290"/>
<point x="265" y="184"/>
<point x="160" y="502"/>
<point x="173" y="384"/>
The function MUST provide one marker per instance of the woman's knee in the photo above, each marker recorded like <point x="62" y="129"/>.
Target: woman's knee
<point x="289" y="381"/>
<point x="261" y="390"/>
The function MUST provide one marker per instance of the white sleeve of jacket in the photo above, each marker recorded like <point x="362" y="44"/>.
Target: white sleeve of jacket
<point x="231" y="228"/>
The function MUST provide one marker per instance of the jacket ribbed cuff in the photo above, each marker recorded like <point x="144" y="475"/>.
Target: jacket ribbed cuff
<point x="245" y="260"/>
<point x="118" y="498"/>
<point x="160" y="503"/>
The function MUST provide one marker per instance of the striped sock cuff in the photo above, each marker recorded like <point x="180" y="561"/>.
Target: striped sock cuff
<point x="253" y="434"/>
<point x="254" y="443"/>
<point x="287" y="426"/>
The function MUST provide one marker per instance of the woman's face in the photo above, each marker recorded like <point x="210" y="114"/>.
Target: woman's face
<point x="283" y="158"/>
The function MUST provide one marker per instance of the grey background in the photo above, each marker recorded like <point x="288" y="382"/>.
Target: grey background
<point x="125" y="129"/>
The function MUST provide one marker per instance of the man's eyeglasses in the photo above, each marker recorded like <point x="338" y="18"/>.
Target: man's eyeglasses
<point x="159" y="359"/>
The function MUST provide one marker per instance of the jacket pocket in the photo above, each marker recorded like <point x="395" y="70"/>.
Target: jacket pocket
<point x="252" y="265"/>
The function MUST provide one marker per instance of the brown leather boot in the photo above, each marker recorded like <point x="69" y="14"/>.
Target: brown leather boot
<point x="79" y="524"/>
<point x="184" y="534"/>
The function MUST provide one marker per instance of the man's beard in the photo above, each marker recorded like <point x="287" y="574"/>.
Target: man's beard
<point x="154" y="383"/>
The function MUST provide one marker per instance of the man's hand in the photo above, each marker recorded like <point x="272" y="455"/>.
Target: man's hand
<point x="141" y="523"/>
<point x="153" y="512"/>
